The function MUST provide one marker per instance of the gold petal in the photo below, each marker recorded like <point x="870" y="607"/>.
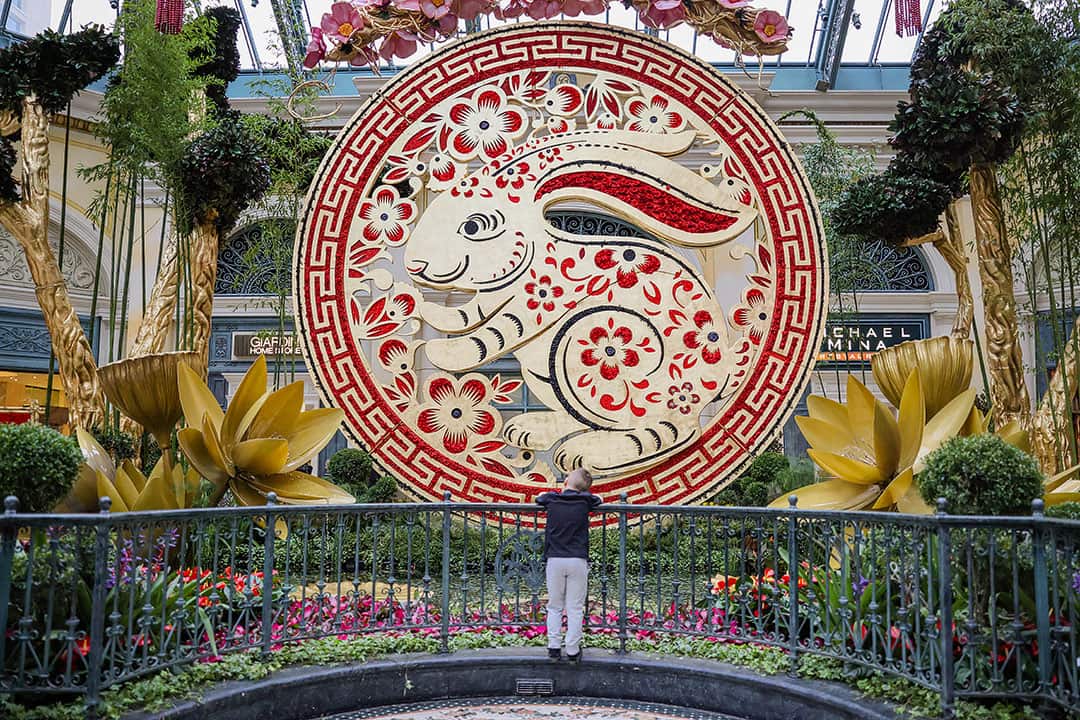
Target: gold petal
<point x="1057" y="498"/>
<point x="159" y="493"/>
<point x="895" y="490"/>
<point x="278" y="415"/>
<point x="830" y="411"/>
<point x="860" y="407"/>
<point x="945" y="425"/>
<point x="976" y="423"/>
<point x="824" y="436"/>
<point x="105" y="488"/>
<point x="196" y="398"/>
<point x="126" y="487"/>
<point x="83" y="497"/>
<point x="251" y="389"/>
<point x="886" y="440"/>
<point x="245" y="494"/>
<point x="1057" y="481"/>
<point x="299" y="488"/>
<point x="191" y="486"/>
<point x="831" y="495"/>
<point x="213" y="447"/>
<point x="262" y="456"/>
<point x="1015" y="435"/>
<point x="845" y="468"/>
<point x="313" y="430"/>
<point x="193" y="445"/>
<point x="912" y="503"/>
<point x="95" y="456"/>
<point x="134" y="475"/>
<point x="912" y="419"/>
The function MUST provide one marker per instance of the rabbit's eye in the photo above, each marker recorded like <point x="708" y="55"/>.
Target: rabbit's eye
<point x="482" y="226"/>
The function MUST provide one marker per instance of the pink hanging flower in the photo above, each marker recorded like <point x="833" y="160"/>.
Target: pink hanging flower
<point x="316" y="50"/>
<point x="544" y="9"/>
<point x="435" y="9"/>
<point x="662" y="14"/>
<point x="410" y="5"/>
<point x="365" y="56"/>
<point x="733" y="4"/>
<point x="470" y="9"/>
<point x="771" y="26"/>
<point x="398" y="44"/>
<point x="341" y="22"/>
<point x="573" y="8"/>
<point x="510" y="9"/>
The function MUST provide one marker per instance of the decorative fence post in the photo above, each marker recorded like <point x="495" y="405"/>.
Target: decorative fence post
<point x="95" y="660"/>
<point x="623" y="635"/>
<point x="268" y="577"/>
<point x="7" y="558"/>
<point x="1042" y="595"/>
<point x="444" y="618"/>
<point x="945" y="611"/>
<point x="793" y="585"/>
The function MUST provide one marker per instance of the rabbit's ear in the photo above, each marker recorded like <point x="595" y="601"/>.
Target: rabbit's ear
<point x="628" y="174"/>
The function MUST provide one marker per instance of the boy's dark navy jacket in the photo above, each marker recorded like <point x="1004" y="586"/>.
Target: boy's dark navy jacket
<point x="567" y="532"/>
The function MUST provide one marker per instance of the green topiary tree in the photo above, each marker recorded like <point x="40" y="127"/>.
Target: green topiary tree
<point x="352" y="469"/>
<point x="38" y="465"/>
<point x="981" y="475"/>
<point x="752" y="489"/>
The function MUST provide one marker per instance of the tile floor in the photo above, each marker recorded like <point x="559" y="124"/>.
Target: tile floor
<point x="526" y="709"/>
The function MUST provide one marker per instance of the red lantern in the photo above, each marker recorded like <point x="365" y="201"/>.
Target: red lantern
<point x="169" y="17"/>
<point x="908" y="17"/>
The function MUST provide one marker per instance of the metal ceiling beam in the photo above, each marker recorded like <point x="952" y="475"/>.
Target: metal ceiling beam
<point x="833" y="35"/>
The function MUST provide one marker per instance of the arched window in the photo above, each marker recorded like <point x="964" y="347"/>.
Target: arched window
<point x="257" y="259"/>
<point x="879" y="267"/>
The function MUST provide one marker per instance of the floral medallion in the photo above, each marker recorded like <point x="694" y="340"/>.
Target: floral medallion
<point x="433" y="294"/>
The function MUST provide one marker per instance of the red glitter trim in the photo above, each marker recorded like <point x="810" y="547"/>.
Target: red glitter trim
<point x="640" y="195"/>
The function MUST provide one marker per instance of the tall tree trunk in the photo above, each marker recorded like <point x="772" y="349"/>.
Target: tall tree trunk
<point x="955" y="254"/>
<point x="204" y="254"/>
<point x="1005" y="362"/>
<point x="1053" y="436"/>
<point x="28" y="221"/>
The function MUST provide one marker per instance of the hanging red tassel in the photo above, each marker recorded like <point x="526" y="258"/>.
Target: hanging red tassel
<point x="169" y="17"/>
<point x="908" y="17"/>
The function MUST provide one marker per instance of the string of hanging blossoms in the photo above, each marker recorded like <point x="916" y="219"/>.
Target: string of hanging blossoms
<point x="351" y="30"/>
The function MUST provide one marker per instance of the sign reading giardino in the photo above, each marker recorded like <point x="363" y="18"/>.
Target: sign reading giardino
<point x="425" y="260"/>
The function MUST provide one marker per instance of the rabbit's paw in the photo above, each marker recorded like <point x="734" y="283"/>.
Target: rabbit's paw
<point x="539" y="430"/>
<point x="456" y="354"/>
<point x="616" y="451"/>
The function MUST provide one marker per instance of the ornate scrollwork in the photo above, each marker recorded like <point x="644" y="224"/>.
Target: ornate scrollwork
<point x="78" y="268"/>
<point x="520" y="559"/>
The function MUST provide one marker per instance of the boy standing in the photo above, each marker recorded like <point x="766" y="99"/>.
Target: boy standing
<point x="566" y="549"/>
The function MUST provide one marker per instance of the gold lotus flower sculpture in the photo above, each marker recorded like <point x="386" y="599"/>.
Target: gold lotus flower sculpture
<point x="871" y="454"/>
<point x="166" y="488"/>
<point x="257" y="444"/>
<point x="945" y="365"/>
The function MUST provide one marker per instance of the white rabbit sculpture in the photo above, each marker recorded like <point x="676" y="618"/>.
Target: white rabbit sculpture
<point x="619" y="337"/>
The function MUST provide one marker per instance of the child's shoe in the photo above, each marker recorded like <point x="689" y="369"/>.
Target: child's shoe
<point x="554" y="654"/>
<point x="574" y="659"/>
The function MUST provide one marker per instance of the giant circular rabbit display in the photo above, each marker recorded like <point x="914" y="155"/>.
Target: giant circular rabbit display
<point x="430" y="286"/>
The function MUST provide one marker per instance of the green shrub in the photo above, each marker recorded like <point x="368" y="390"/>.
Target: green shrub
<point x="37" y="464"/>
<point x="350" y="469"/>
<point x="1065" y="511"/>
<point x="981" y="475"/>
<point x="118" y="444"/>
<point x="752" y="489"/>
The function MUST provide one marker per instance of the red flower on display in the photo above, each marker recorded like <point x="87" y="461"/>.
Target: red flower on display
<point x="542" y="294"/>
<point x="754" y="315"/>
<point x="387" y="216"/>
<point x="514" y="176"/>
<point x="629" y="263"/>
<point x="653" y="115"/>
<point x="683" y="398"/>
<point x="456" y="412"/>
<point x="483" y="125"/>
<point x="610" y="351"/>
<point x="707" y="338"/>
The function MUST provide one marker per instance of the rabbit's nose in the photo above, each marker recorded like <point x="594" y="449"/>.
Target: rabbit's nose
<point x="417" y="267"/>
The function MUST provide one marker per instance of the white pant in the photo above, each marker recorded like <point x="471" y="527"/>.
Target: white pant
<point x="567" y="585"/>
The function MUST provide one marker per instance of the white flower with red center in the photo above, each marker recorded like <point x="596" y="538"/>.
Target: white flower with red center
<point x="564" y="100"/>
<point x="610" y="351"/>
<point x="707" y="339"/>
<point x="627" y="262"/>
<point x="402" y="167"/>
<point x="683" y="398"/>
<point x="514" y="176"/>
<point x="458" y="412"/>
<point x="754" y="315"/>
<point x="606" y="121"/>
<point x="543" y="295"/>
<point x="653" y="115"/>
<point x="484" y="125"/>
<point x="443" y="172"/>
<point x="387" y="216"/>
<point x="341" y="22"/>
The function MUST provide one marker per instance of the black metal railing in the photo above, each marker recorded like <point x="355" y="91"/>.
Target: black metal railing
<point x="966" y="606"/>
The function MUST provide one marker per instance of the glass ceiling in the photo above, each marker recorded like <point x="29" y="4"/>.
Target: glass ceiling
<point x="871" y="39"/>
